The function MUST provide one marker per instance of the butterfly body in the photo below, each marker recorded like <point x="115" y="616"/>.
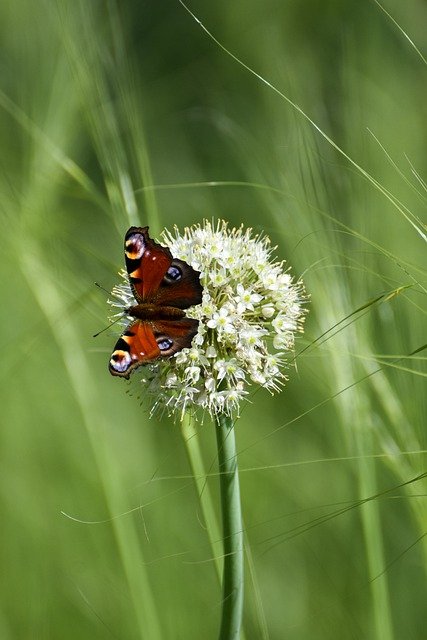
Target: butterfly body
<point x="147" y="311"/>
<point x="163" y="287"/>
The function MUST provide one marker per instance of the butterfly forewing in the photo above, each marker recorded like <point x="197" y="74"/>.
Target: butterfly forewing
<point x="157" y="277"/>
<point x="146" y="263"/>
<point x="143" y="342"/>
<point x="136" y="346"/>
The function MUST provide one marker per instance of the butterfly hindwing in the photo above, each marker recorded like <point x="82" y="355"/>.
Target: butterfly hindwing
<point x="174" y="335"/>
<point x="180" y="286"/>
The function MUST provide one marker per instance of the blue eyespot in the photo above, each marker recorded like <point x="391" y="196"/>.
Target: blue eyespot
<point x="173" y="273"/>
<point x="164" y="343"/>
<point x="120" y="361"/>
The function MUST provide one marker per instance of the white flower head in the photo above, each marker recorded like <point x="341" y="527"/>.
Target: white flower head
<point x="249" y="316"/>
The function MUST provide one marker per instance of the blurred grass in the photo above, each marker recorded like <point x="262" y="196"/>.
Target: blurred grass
<point x="100" y="103"/>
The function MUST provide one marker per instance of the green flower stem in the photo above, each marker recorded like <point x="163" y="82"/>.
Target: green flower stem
<point x="232" y="584"/>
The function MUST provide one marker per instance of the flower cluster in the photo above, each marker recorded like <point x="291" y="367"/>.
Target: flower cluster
<point x="248" y="318"/>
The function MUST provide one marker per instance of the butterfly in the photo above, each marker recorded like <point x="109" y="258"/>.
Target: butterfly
<point x="163" y="287"/>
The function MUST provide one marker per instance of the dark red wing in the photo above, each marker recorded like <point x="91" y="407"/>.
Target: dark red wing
<point x="135" y="347"/>
<point x="143" y="342"/>
<point x="180" y="286"/>
<point x="157" y="277"/>
<point x="146" y="262"/>
<point x="174" y="335"/>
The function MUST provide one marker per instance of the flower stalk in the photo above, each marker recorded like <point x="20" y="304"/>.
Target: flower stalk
<point x="247" y="319"/>
<point x="233" y="571"/>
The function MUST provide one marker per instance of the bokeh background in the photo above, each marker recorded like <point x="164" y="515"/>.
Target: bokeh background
<point x="116" y="113"/>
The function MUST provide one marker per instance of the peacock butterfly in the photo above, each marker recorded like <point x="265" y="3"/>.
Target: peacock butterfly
<point x="163" y="287"/>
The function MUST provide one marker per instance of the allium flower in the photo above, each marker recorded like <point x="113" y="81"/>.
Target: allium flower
<point x="249" y="315"/>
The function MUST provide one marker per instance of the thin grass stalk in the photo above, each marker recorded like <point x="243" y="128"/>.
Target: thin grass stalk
<point x="374" y="543"/>
<point x="191" y="442"/>
<point x="232" y="584"/>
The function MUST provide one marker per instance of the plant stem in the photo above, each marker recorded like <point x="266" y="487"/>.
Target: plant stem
<point x="232" y="584"/>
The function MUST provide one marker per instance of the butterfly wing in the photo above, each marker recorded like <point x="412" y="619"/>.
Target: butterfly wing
<point x="146" y="263"/>
<point x="145" y="341"/>
<point x="155" y="276"/>
<point x="174" y="335"/>
<point x="135" y="347"/>
<point x="180" y="286"/>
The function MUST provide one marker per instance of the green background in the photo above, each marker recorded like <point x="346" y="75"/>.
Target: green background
<point x="101" y="101"/>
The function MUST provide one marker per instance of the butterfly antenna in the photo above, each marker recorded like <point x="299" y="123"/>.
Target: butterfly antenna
<point x="101" y="287"/>
<point x="95" y="335"/>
